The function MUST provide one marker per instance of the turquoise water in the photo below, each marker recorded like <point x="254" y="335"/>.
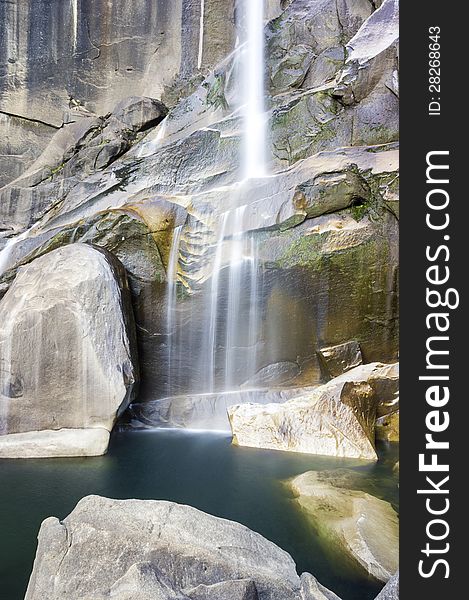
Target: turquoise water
<point x="200" y="469"/>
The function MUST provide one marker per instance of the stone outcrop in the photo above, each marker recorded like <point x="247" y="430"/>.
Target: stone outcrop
<point x="67" y="354"/>
<point x="171" y="552"/>
<point x="335" y="419"/>
<point x="336" y="360"/>
<point x="343" y="260"/>
<point x="350" y="522"/>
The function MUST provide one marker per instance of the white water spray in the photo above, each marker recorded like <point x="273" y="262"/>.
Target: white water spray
<point x="7" y="252"/>
<point x="201" y="34"/>
<point x="213" y="306"/>
<point x="236" y="264"/>
<point x="253" y="92"/>
<point x="74" y="9"/>
<point x="221" y="324"/>
<point x="171" y="298"/>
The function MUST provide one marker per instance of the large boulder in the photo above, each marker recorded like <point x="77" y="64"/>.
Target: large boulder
<point x="151" y="549"/>
<point x="348" y="521"/>
<point x="67" y="354"/>
<point x="335" y="419"/>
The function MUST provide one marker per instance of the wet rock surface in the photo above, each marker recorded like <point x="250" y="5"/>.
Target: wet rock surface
<point x="348" y="521"/>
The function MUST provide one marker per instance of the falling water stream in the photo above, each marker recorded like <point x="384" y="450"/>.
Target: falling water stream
<point x="232" y="253"/>
<point x="253" y="91"/>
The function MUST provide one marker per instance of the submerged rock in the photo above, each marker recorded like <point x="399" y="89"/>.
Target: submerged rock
<point x="67" y="354"/>
<point x="335" y="419"/>
<point x="151" y="549"/>
<point x="350" y="522"/>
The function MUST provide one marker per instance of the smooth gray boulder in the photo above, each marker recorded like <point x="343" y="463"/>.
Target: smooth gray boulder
<point x="67" y="354"/>
<point x="140" y="113"/>
<point x="113" y="548"/>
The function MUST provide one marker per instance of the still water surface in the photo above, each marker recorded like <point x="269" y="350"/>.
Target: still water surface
<point x="200" y="469"/>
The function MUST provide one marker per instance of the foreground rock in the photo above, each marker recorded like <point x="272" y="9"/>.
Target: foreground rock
<point x="67" y="355"/>
<point x="161" y="551"/>
<point x="335" y="419"/>
<point x="356" y="524"/>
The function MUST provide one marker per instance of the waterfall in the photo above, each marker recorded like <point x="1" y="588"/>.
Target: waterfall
<point x="254" y="146"/>
<point x="213" y="306"/>
<point x="74" y="9"/>
<point x="233" y="312"/>
<point x="254" y="301"/>
<point x="6" y="253"/>
<point x="213" y="331"/>
<point x="201" y="34"/>
<point x="236" y="264"/>
<point x="171" y="298"/>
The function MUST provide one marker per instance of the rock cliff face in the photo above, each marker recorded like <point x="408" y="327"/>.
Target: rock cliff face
<point x="61" y="59"/>
<point x="322" y="228"/>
